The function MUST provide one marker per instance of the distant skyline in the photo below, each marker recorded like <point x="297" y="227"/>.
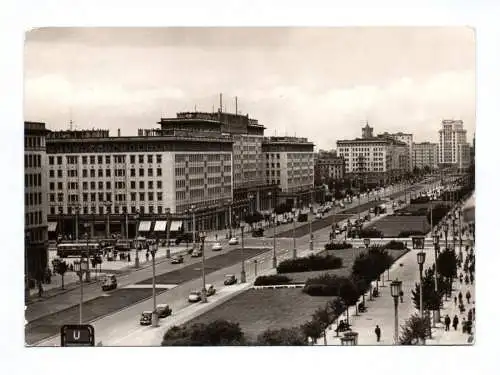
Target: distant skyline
<point x="319" y="83"/>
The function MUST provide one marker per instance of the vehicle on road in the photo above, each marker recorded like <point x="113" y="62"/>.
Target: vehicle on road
<point x="146" y="318"/>
<point x="259" y="232"/>
<point x="196" y="253"/>
<point x="217" y="246"/>
<point x="230" y="280"/>
<point x="302" y="218"/>
<point x="109" y="282"/>
<point x="341" y="205"/>
<point x="233" y="241"/>
<point x="163" y="310"/>
<point x="194" y="296"/>
<point x="177" y="259"/>
<point x="77" y="249"/>
<point x="319" y="215"/>
<point x="210" y="290"/>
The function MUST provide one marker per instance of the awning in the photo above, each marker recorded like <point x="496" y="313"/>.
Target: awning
<point x="175" y="225"/>
<point x="52" y="226"/>
<point x="144" y="226"/>
<point x="160" y="226"/>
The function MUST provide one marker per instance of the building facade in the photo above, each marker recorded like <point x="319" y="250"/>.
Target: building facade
<point x="406" y="139"/>
<point x="425" y="154"/>
<point x="375" y="160"/>
<point x="108" y="181"/>
<point x="290" y="165"/>
<point x="451" y="136"/>
<point x="35" y="200"/>
<point x="328" y="166"/>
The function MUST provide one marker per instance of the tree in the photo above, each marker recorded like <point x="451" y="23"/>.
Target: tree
<point x="336" y="306"/>
<point x="216" y="333"/>
<point x="324" y="317"/>
<point x="61" y="268"/>
<point x="282" y="337"/>
<point x="415" y="330"/>
<point x="447" y="266"/>
<point x="349" y="294"/>
<point x="432" y="300"/>
<point x="312" y="329"/>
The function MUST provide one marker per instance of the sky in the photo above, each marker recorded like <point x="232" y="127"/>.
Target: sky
<point x="319" y="83"/>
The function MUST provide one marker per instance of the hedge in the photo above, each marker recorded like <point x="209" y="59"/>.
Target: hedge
<point x="311" y="263"/>
<point x="338" y="246"/>
<point x="420" y="200"/>
<point x="272" y="280"/>
<point x="325" y="285"/>
<point x="370" y="233"/>
<point x="395" y="245"/>
<point x="409" y="233"/>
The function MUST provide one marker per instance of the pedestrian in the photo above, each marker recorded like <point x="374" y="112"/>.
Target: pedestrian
<point x="464" y="325"/>
<point x="401" y="294"/>
<point x="447" y="322"/>
<point x="216" y="237"/>
<point x="469" y="315"/>
<point x="455" y="322"/>
<point x="461" y="278"/>
<point x="147" y="256"/>
<point x="460" y="297"/>
<point x="455" y="299"/>
<point x="40" y="288"/>
<point x="128" y="257"/>
<point x="378" y="333"/>
<point x="466" y="280"/>
<point x="472" y="278"/>
<point x="467" y="295"/>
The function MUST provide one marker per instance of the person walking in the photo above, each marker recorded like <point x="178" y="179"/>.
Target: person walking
<point x="147" y="256"/>
<point x="447" y="322"/>
<point x="378" y="333"/>
<point x="128" y="257"/>
<point x="401" y="294"/>
<point x="460" y="296"/>
<point x="455" y="322"/>
<point x="455" y="299"/>
<point x="461" y="278"/>
<point x="467" y="295"/>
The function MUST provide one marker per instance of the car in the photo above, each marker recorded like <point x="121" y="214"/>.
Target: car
<point x="230" y="280"/>
<point x="341" y="205"/>
<point x="233" y="241"/>
<point x="163" y="310"/>
<point x="177" y="259"/>
<point x="194" y="296"/>
<point x="338" y="231"/>
<point x="210" y="289"/>
<point x="319" y="215"/>
<point x="109" y="282"/>
<point x="196" y="253"/>
<point x="146" y="318"/>
<point x="258" y="232"/>
<point x="217" y="246"/>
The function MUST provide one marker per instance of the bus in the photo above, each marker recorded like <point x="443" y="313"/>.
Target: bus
<point x="66" y="250"/>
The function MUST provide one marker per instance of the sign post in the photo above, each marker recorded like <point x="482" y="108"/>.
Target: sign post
<point x="77" y="335"/>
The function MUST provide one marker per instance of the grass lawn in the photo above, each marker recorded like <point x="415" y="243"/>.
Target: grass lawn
<point x="257" y="310"/>
<point x="348" y="257"/>
<point x="392" y="225"/>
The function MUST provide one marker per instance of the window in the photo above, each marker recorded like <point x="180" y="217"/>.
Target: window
<point x="99" y="159"/>
<point x="51" y="186"/>
<point x="133" y="196"/>
<point x="159" y="196"/>
<point x="92" y="198"/>
<point x="150" y="197"/>
<point x="84" y="173"/>
<point x="51" y="173"/>
<point x="99" y="173"/>
<point x="108" y="185"/>
<point x="132" y="184"/>
<point x="108" y="172"/>
<point x="52" y="210"/>
<point x="101" y="197"/>
<point x="141" y="159"/>
<point x="59" y="160"/>
<point x="92" y="160"/>
<point x="132" y="159"/>
<point x="151" y="209"/>
<point x="141" y="172"/>
<point x="85" y="185"/>
<point x="51" y="160"/>
<point x="141" y="184"/>
<point x="158" y="159"/>
<point x="52" y="197"/>
<point x="92" y="185"/>
<point x="150" y="159"/>
<point x="59" y="186"/>
<point x="158" y="184"/>
<point x="108" y="196"/>
<point x="100" y="185"/>
<point x="59" y="173"/>
<point x="132" y="172"/>
<point x="142" y="196"/>
<point x="85" y="197"/>
<point x="160" y="209"/>
<point x="150" y="184"/>
<point x="92" y="173"/>
<point x="108" y="159"/>
<point x="84" y="160"/>
<point x="158" y="171"/>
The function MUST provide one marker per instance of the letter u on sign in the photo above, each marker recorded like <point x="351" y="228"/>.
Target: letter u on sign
<point x="77" y="335"/>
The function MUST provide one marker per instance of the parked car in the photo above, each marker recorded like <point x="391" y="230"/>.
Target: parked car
<point x="259" y="232"/>
<point x="196" y="253"/>
<point x="217" y="246"/>
<point x="194" y="296"/>
<point x="230" y="280"/>
<point x="341" y="205"/>
<point x="319" y="215"/>
<point x="210" y="289"/>
<point x="302" y="218"/>
<point x="109" y="282"/>
<point x="163" y="310"/>
<point x="177" y="259"/>
<point x="233" y="241"/>
<point x="146" y="318"/>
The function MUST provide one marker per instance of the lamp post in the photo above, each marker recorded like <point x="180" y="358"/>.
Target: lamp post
<point x="243" y="274"/>
<point x="273" y="218"/>
<point x="459" y="214"/>
<point x="294" y="251"/>
<point x="194" y="226"/>
<point x="203" y="287"/>
<point x="445" y="229"/>
<point x="136" y="242"/>
<point x="230" y="219"/>
<point x="310" y="228"/>
<point x="395" y="290"/>
<point x="80" y="267"/>
<point x="436" y="249"/>
<point x="453" y="232"/>
<point x="108" y="205"/>
<point x="421" y="261"/>
<point x="154" y="318"/>
<point x="87" y="273"/>
<point x="168" y="232"/>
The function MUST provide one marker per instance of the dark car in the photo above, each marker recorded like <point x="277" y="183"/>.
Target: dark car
<point x="146" y="318"/>
<point x="302" y="218"/>
<point x="196" y="253"/>
<point x="177" y="259"/>
<point x="230" y="280"/>
<point x="163" y="310"/>
<point x="258" y="232"/>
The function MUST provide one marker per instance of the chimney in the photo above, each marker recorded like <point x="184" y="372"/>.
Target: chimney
<point x="119" y="132"/>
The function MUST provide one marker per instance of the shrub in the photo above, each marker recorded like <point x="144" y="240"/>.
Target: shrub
<point x="420" y="200"/>
<point x="272" y="280"/>
<point x="218" y="332"/>
<point x="282" y="337"/>
<point x="311" y="263"/>
<point x="415" y="330"/>
<point x="338" y="246"/>
<point x="324" y="285"/>
<point x="409" y="233"/>
<point x="395" y="245"/>
<point x="370" y="233"/>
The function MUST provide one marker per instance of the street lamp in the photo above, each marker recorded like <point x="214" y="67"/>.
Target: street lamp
<point x="436" y="249"/>
<point x="395" y="291"/>
<point x="203" y="288"/>
<point x="194" y="226"/>
<point x="87" y="274"/>
<point x="453" y="232"/>
<point x="108" y="205"/>
<point x="273" y="217"/>
<point x="421" y="261"/>
<point x="243" y="274"/>
<point x="230" y="219"/>
<point x="294" y="252"/>
<point x="310" y="227"/>
<point x="445" y="229"/>
<point x="366" y="241"/>
<point x="154" y="318"/>
<point x="167" y="210"/>
<point x="81" y="267"/>
<point x="136" y="242"/>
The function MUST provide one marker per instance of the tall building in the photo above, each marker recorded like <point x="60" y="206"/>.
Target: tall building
<point x="406" y="139"/>
<point x="451" y="136"/>
<point x="290" y="165"/>
<point x="375" y="160"/>
<point x="35" y="200"/>
<point x="327" y="165"/>
<point x="113" y="182"/>
<point x="425" y="154"/>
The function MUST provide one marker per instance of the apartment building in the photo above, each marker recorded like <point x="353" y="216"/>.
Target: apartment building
<point x="327" y="165"/>
<point x="451" y="136"/>
<point x="405" y="138"/>
<point x="425" y="154"/>
<point x="108" y="181"/>
<point x="35" y="200"/>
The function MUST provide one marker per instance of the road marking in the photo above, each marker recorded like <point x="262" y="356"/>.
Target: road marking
<point x="147" y="286"/>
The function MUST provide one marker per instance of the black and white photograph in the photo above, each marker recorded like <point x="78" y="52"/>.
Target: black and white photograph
<point x="249" y="186"/>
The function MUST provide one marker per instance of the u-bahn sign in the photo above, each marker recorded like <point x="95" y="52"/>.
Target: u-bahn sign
<point x="77" y="335"/>
<point x="418" y="242"/>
